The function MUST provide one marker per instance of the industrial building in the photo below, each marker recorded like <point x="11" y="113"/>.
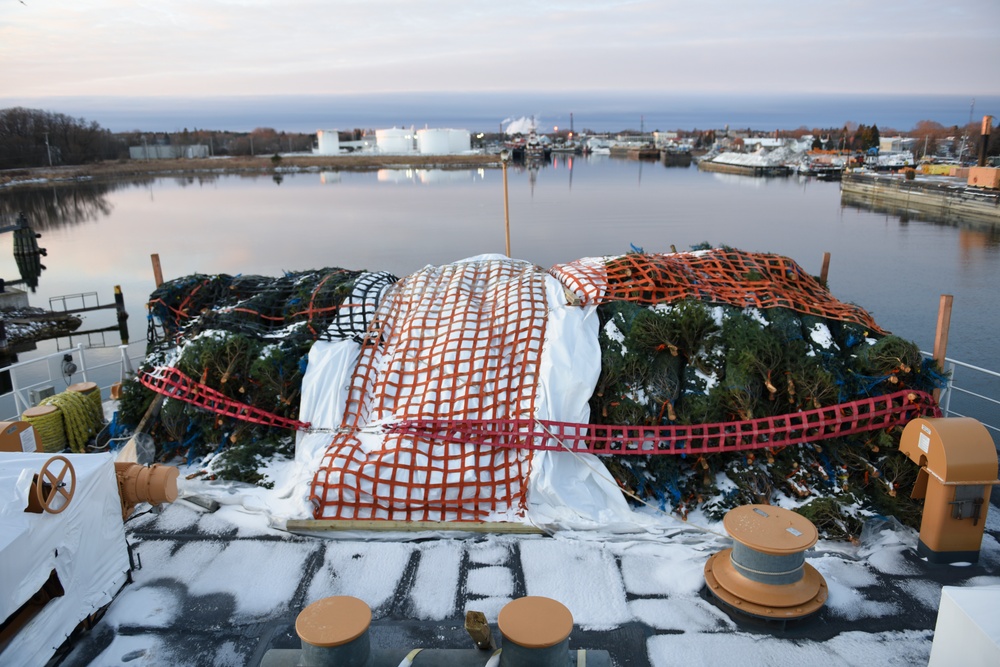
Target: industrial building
<point x="399" y="141"/>
<point x="167" y="152"/>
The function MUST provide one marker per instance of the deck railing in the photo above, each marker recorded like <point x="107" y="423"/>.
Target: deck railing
<point x="953" y="390"/>
<point x="47" y="371"/>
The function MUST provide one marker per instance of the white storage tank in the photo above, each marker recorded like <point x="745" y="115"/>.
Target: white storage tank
<point x="327" y="142"/>
<point x="459" y="141"/>
<point x="394" y="140"/>
<point x="434" y="141"/>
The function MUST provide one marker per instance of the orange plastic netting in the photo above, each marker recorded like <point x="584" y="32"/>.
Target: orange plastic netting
<point x="461" y="341"/>
<point x="720" y="275"/>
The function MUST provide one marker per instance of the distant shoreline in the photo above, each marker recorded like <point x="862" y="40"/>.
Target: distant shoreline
<point x="261" y="164"/>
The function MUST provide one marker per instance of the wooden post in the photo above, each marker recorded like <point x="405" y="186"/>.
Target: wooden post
<point x="157" y="271"/>
<point x="506" y="209"/>
<point x="382" y="525"/>
<point x="825" y="271"/>
<point x="941" y="335"/>
<point x="984" y="140"/>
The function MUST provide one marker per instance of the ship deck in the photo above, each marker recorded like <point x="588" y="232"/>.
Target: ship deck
<point x="222" y="588"/>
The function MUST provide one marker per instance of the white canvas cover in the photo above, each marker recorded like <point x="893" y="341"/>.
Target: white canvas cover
<point x="84" y="544"/>
<point x="565" y="490"/>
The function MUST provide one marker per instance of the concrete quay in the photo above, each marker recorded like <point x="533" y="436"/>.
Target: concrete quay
<point x="940" y="199"/>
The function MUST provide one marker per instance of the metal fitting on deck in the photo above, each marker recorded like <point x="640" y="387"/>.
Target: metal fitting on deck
<point x="334" y="632"/>
<point x="765" y="574"/>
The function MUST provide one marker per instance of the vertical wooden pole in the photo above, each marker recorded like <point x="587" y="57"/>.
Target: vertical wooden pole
<point x="941" y="335"/>
<point x="825" y="271"/>
<point x="157" y="271"/>
<point x="984" y="140"/>
<point x="506" y="210"/>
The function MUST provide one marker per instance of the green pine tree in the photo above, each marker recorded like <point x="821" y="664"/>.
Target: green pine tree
<point x="873" y="137"/>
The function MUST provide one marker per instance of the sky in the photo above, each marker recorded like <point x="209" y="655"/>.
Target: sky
<point x="115" y="53"/>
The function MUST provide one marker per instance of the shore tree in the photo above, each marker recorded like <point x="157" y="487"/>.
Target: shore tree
<point x="865" y="137"/>
<point x="37" y="138"/>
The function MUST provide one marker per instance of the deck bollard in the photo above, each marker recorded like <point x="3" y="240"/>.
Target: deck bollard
<point x="765" y="574"/>
<point x="535" y="632"/>
<point x="334" y="632"/>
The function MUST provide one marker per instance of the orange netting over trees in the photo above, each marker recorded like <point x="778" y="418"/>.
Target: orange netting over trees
<point x="720" y="275"/>
<point x="451" y="382"/>
<point x="461" y="341"/>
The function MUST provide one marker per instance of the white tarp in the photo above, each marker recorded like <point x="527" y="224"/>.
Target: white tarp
<point x="565" y="490"/>
<point x="84" y="545"/>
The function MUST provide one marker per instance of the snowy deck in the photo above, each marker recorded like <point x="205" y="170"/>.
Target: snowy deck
<point x="222" y="588"/>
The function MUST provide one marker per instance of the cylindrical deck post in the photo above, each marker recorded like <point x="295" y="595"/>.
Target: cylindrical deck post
<point x="334" y="632"/>
<point x="535" y="632"/>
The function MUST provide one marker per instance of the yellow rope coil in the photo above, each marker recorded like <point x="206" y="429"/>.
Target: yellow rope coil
<point x="93" y="394"/>
<point x="49" y="426"/>
<point x="78" y="418"/>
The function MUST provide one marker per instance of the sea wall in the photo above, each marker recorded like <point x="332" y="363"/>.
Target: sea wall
<point x="746" y="170"/>
<point x="942" y="201"/>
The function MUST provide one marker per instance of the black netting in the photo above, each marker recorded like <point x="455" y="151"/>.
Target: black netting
<point x="325" y="304"/>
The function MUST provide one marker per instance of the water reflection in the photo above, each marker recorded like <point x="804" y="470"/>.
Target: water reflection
<point x="755" y="182"/>
<point x="429" y="176"/>
<point x="59" y="206"/>
<point x="30" y="267"/>
<point x="984" y="233"/>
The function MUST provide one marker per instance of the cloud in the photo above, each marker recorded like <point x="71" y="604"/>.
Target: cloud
<point x="242" y="47"/>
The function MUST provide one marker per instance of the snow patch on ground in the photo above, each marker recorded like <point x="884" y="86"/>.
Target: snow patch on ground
<point x="891" y="560"/>
<point x="490" y="581"/>
<point x="367" y="573"/>
<point x="648" y="570"/>
<point x="850" y="649"/>
<point x="437" y="579"/>
<point x="258" y="590"/>
<point x="588" y="582"/>
<point x="147" y="606"/>
<point x="680" y="615"/>
<point x="927" y="592"/>
<point x="489" y="554"/>
<point x="845" y="580"/>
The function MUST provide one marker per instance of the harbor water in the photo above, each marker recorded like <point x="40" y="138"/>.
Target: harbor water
<point x="98" y="235"/>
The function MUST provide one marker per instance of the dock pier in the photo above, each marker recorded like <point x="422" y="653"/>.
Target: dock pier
<point x="744" y="170"/>
<point x="950" y="201"/>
